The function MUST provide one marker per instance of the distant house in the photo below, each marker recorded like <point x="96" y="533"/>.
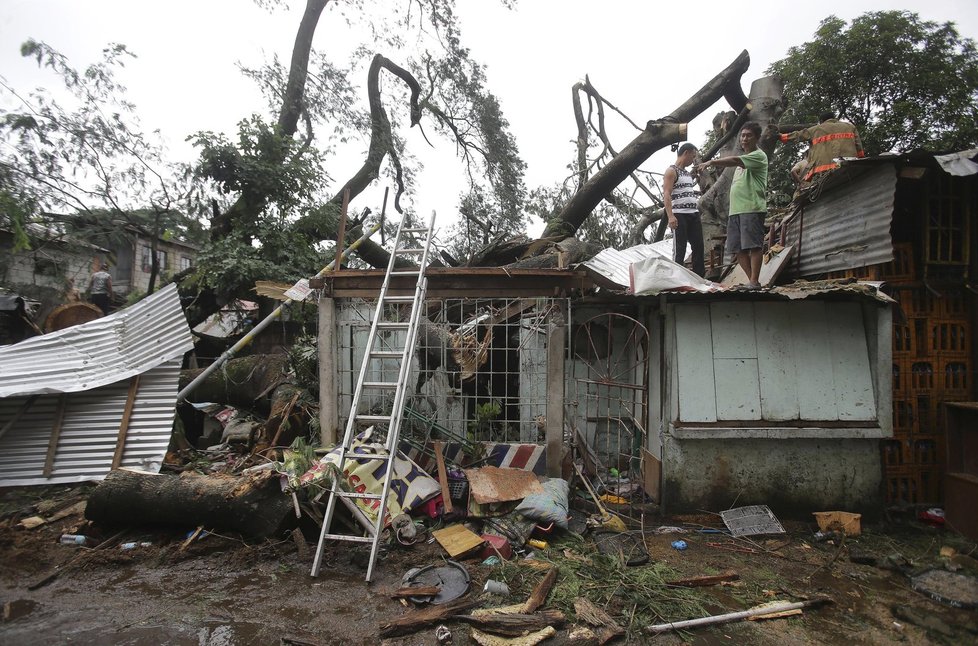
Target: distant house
<point x="133" y="260"/>
<point x="45" y="271"/>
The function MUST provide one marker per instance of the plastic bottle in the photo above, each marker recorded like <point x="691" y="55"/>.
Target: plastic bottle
<point x="74" y="539"/>
<point x="133" y="545"/>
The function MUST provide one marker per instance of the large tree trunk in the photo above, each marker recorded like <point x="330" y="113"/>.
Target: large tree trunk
<point x="657" y="134"/>
<point x="251" y="505"/>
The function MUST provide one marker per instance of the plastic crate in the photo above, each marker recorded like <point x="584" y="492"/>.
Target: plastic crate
<point x="953" y="304"/>
<point x="913" y="485"/>
<point x="458" y="489"/>
<point x="955" y="376"/>
<point x="922" y="378"/>
<point x="904" y="341"/>
<point x="917" y="302"/>
<point x="948" y="337"/>
<point x="892" y="453"/>
<point x="904" y="415"/>
<point x="901" y="268"/>
<point x="926" y="450"/>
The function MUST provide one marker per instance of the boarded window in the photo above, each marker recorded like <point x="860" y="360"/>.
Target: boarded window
<point x="773" y="362"/>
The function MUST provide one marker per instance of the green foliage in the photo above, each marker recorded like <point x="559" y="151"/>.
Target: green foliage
<point x="608" y="226"/>
<point x="485" y="419"/>
<point x="263" y="165"/>
<point x="904" y="82"/>
<point x="303" y="358"/>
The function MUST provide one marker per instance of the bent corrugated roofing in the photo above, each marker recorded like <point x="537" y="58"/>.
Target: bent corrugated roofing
<point x="100" y="352"/>
<point x="64" y="395"/>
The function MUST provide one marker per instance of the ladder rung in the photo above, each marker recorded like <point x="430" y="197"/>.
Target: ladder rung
<point x="347" y="537"/>
<point x="364" y="496"/>
<point x="405" y="272"/>
<point x="373" y="418"/>
<point x="381" y="384"/>
<point x="392" y="325"/>
<point x="415" y="230"/>
<point x="407" y="250"/>
<point x="399" y="299"/>
<point x="386" y="354"/>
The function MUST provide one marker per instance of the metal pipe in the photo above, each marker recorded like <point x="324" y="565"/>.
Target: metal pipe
<point x="268" y="320"/>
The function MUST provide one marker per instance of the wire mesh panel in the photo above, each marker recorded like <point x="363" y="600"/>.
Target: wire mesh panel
<point x="479" y="373"/>
<point x="609" y="355"/>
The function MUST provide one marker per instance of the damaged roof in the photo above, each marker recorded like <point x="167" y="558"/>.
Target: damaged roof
<point x="76" y="403"/>
<point x="100" y="352"/>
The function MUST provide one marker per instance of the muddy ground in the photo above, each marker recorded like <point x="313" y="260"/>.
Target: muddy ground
<point x="222" y="591"/>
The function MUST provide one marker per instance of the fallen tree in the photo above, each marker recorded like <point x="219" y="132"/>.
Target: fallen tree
<point x="252" y="505"/>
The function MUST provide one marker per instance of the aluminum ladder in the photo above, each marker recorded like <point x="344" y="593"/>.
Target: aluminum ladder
<point x="380" y="353"/>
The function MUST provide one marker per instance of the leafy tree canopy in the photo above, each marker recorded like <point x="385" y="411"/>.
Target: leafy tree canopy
<point x="906" y="83"/>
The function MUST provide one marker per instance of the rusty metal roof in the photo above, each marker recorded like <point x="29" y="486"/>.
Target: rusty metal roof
<point x="100" y="352"/>
<point x="848" y="223"/>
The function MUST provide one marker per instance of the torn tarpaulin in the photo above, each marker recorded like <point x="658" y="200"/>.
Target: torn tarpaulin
<point x="410" y="485"/>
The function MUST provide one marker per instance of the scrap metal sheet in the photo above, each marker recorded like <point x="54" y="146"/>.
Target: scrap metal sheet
<point x="751" y="520"/>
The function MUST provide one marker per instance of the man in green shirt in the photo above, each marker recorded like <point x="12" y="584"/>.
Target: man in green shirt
<point x="748" y="204"/>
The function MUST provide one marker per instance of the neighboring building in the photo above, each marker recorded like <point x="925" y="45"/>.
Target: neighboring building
<point x="47" y="271"/>
<point x="133" y="258"/>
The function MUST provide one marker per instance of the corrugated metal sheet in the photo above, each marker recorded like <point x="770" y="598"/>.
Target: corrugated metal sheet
<point x="89" y="430"/>
<point x="960" y="164"/>
<point x="613" y="264"/>
<point x="848" y="226"/>
<point x="100" y="352"/>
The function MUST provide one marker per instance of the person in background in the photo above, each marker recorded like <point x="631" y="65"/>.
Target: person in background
<point x="830" y="140"/>
<point x="681" y="194"/>
<point x="100" y="288"/>
<point x="748" y="202"/>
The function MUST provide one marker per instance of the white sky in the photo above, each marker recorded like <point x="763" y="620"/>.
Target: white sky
<point x="645" y="57"/>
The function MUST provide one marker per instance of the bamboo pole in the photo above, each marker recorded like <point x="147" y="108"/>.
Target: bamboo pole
<point x="735" y="616"/>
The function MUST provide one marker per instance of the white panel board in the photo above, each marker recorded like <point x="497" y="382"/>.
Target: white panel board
<point x="733" y="330"/>
<point x="738" y="393"/>
<point x="850" y="363"/>
<point x="694" y="364"/>
<point x="776" y="363"/>
<point x="812" y="346"/>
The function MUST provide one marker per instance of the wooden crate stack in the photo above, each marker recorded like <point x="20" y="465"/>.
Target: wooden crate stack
<point x="931" y="365"/>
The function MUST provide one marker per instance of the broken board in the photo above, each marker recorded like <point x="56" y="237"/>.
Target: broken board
<point x="770" y="270"/>
<point x="457" y="540"/>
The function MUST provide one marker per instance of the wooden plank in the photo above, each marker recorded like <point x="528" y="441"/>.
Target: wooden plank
<point x="554" y="430"/>
<point x="120" y="443"/>
<point x="701" y="581"/>
<point x="776" y="366"/>
<point x="850" y="362"/>
<point x="329" y="412"/>
<point x="732" y="327"/>
<point x="457" y="540"/>
<point x="651" y="476"/>
<point x="59" y="417"/>
<point x="738" y="390"/>
<point x="812" y="347"/>
<point x="443" y="476"/>
<point x="694" y="364"/>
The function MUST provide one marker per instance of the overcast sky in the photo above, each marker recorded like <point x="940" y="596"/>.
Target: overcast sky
<point x="645" y="57"/>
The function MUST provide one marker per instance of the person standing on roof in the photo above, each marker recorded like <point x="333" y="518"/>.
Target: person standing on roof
<point x="100" y="288"/>
<point x="830" y="140"/>
<point x="748" y="202"/>
<point x="681" y="194"/>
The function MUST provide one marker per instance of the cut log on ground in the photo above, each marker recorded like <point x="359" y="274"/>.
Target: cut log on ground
<point x="250" y="505"/>
<point x="540" y="592"/>
<point x="605" y="628"/>
<point x="514" y="625"/>
<point x="700" y="581"/>
<point x="414" y="621"/>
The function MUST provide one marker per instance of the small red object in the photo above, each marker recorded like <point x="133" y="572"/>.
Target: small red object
<point x="432" y="508"/>
<point x="500" y="543"/>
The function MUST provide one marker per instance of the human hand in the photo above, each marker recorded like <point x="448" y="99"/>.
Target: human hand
<point x="673" y="222"/>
